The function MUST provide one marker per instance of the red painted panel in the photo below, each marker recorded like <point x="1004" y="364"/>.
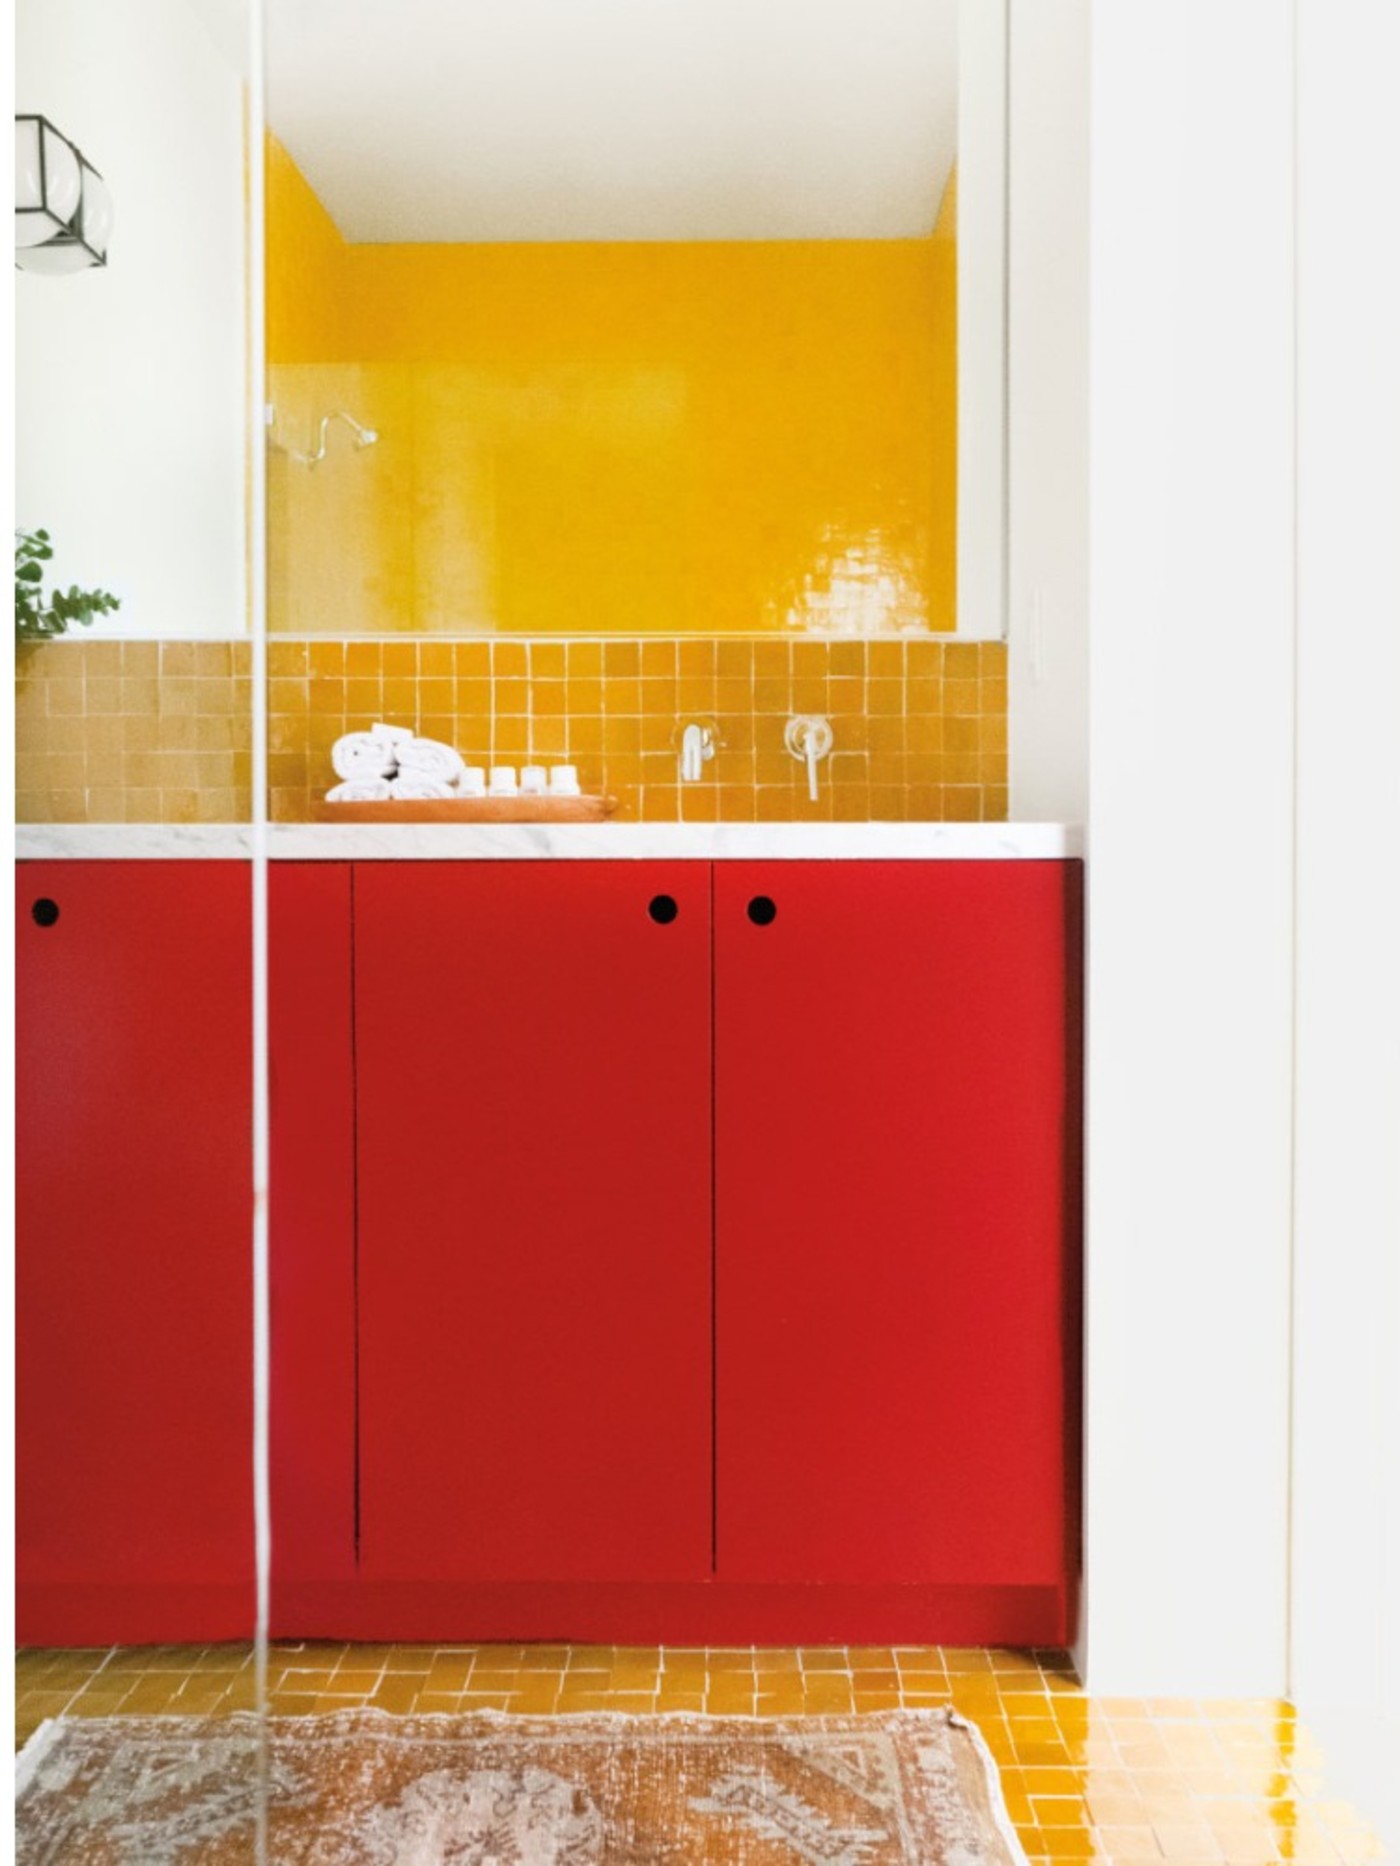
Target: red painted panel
<point x="134" y="1238"/>
<point x="891" y="1133"/>
<point x="533" y="1069"/>
<point x="312" y="1222"/>
<point x="685" y="1613"/>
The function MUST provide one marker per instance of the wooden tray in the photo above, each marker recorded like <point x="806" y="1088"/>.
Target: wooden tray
<point x="470" y="810"/>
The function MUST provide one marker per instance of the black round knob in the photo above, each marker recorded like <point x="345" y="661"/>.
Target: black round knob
<point x="45" y="912"/>
<point x="762" y="911"/>
<point x="663" y="909"/>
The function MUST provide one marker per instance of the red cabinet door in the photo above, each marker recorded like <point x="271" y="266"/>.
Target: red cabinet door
<point x="892" y="1209"/>
<point x="312" y="1225"/>
<point x="534" y="1280"/>
<point x="134" y="1251"/>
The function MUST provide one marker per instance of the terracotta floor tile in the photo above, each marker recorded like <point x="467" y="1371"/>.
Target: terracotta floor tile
<point x="353" y="1681"/>
<point x="1065" y="1843"/>
<point x="497" y="1679"/>
<point x="1127" y="1842"/>
<point x="1059" y="1811"/>
<point x="1129" y="1781"/>
<point x="410" y="1659"/>
<point x="544" y="1658"/>
<point x="633" y="1676"/>
<point x="766" y="1660"/>
<point x="823" y="1659"/>
<point x="685" y="1665"/>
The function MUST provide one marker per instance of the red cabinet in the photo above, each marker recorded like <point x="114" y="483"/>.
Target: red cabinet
<point x="659" y="1251"/>
<point x="311" y="1215"/>
<point x="711" y="1274"/>
<point x="892" y="1117"/>
<point x="133" y="1252"/>
<point x="532" y="1045"/>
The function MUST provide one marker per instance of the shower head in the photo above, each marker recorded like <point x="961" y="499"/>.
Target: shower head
<point x="364" y="437"/>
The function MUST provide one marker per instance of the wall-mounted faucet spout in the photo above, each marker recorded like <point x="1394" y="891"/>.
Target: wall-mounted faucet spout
<point x="697" y="745"/>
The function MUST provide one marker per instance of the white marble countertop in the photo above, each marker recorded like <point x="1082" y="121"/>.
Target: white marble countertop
<point x="310" y="842"/>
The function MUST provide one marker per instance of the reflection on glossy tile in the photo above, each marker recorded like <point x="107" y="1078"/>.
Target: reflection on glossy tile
<point x="1131" y="1781"/>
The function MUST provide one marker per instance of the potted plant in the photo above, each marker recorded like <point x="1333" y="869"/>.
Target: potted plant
<point x="40" y="615"/>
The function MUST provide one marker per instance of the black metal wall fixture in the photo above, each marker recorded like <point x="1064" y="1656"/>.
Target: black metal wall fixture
<point x="63" y="208"/>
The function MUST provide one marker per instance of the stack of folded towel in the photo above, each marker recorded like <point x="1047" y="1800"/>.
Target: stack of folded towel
<point x="388" y="762"/>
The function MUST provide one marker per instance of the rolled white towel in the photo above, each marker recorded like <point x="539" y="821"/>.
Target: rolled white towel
<point x="360" y="790"/>
<point x="362" y="755"/>
<point x="366" y="761"/>
<point x="431" y="760"/>
<point x="369" y="754"/>
<point x="415" y="786"/>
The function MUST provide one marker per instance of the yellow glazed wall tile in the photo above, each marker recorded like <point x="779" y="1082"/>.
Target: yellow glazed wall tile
<point x="620" y="724"/>
<point x="623" y="438"/>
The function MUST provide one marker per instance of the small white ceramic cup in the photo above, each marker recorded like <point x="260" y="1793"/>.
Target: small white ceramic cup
<point x="472" y="782"/>
<point x="563" y="781"/>
<point x="503" y="781"/>
<point x="533" y="780"/>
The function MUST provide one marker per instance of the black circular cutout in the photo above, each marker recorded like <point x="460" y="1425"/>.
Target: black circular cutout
<point x="762" y="911"/>
<point x="663" y="909"/>
<point x="45" y="912"/>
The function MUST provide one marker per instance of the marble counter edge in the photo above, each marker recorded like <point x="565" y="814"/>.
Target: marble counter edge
<point x="297" y="842"/>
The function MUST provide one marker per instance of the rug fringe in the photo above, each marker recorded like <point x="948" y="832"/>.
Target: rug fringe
<point x="992" y="1775"/>
<point x="34" y="1752"/>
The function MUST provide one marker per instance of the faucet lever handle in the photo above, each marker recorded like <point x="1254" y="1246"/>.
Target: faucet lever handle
<point x="697" y="746"/>
<point x="808" y="736"/>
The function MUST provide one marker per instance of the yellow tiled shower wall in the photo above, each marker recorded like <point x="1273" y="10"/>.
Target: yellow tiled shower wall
<point x="625" y="438"/>
<point x="159" y="732"/>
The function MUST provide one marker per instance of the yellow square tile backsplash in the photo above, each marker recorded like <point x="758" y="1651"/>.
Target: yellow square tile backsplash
<point x="133" y="732"/>
<point x="160" y="731"/>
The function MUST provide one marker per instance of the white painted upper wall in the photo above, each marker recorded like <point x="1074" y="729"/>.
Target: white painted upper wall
<point x="619" y="120"/>
<point x="1346" y="1490"/>
<point x="1190" y="848"/>
<point x="131" y="382"/>
<point x="1047" y="366"/>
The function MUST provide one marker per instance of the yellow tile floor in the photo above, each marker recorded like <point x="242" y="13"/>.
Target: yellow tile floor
<point x="1131" y="1781"/>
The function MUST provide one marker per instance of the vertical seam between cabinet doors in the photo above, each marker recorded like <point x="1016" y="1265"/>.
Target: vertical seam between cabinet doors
<point x="355" y="1223"/>
<point x="714" y="1239"/>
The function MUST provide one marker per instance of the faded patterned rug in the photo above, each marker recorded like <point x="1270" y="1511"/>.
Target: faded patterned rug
<point x="364" y="1788"/>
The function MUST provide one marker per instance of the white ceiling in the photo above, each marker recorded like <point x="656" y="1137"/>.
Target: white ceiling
<point x="618" y="119"/>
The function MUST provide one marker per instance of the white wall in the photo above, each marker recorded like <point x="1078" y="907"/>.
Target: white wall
<point x="1346" y="1501"/>
<point x="131" y="403"/>
<point x="1190" y="847"/>
<point x="1048" y="429"/>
